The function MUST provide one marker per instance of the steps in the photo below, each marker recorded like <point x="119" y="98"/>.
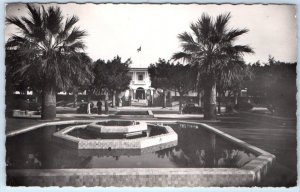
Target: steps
<point x="140" y="102"/>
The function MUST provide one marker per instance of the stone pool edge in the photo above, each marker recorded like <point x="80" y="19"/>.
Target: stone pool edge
<point x="138" y="143"/>
<point x="248" y="175"/>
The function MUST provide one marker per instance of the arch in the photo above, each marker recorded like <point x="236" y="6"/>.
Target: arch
<point x="140" y="93"/>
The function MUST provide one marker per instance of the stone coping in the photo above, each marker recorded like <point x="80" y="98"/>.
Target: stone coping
<point x="248" y="175"/>
<point x="136" y="177"/>
<point x="121" y="152"/>
<point x="66" y="122"/>
<point x="149" y="116"/>
<point x="135" y="127"/>
<point x="137" y="143"/>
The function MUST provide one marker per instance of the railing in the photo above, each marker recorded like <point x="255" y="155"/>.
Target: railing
<point x="138" y="82"/>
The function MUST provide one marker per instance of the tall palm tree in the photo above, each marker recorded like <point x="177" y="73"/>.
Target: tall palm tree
<point x="49" y="45"/>
<point x="211" y="49"/>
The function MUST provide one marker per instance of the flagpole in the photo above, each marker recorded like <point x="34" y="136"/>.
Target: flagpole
<point x="140" y="58"/>
<point x="139" y="50"/>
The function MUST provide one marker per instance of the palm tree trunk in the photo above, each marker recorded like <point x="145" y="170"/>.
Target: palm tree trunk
<point x="210" y="101"/>
<point x="180" y="102"/>
<point x="164" y="99"/>
<point x="235" y="98"/>
<point x="49" y="102"/>
<point x="113" y="99"/>
<point x="219" y="103"/>
<point x="75" y="93"/>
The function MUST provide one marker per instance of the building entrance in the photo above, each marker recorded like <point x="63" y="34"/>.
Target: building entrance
<point x="140" y="93"/>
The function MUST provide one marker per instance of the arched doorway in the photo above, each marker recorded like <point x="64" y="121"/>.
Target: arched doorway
<point x="140" y="93"/>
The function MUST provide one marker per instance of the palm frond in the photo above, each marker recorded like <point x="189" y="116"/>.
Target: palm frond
<point x="181" y="55"/>
<point x="234" y="33"/>
<point x="221" y="23"/>
<point x="70" y="22"/>
<point x="76" y="34"/>
<point x="205" y="26"/>
<point x="243" y="49"/>
<point x="195" y="30"/>
<point x="35" y="15"/>
<point x="18" y="23"/>
<point x="54" y="19"/>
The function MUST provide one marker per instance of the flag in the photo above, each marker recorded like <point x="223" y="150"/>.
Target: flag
<point x="139" y="49"/>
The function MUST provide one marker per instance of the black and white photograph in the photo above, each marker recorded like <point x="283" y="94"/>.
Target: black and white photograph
<point x="150" y="95"/>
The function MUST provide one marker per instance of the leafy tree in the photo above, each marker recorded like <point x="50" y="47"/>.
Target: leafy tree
<point x="231" y="85"/>
<point x="169" y="76"/>
<point x="182" y="79"/>
<point x="283" y="89"/>
<point x="112" y="76"/>
<point x="101" y="75"/>
<point x="49" y="45"/>
<point x="212" y="49"/>
<point x="159" y="73"/>
<point x="258" y="86"/>
<point x="274" y="85"/>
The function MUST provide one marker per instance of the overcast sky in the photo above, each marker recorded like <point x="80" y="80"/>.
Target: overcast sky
<point x="121" y="29"/>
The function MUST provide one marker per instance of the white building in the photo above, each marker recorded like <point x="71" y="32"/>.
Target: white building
<point x="140" y="85"/>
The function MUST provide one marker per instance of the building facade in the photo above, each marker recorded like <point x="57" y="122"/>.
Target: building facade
<point x="140" y="85"/>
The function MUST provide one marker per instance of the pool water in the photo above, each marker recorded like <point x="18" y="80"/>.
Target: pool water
<point x="132" y="113"/>
<point x="196" y="148"/>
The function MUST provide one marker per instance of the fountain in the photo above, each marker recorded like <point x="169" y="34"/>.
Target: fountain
<point x="116" y="135"/>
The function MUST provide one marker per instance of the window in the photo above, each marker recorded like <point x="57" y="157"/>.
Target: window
<point x="140" y="77"/>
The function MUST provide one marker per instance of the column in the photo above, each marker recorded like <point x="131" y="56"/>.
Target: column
<point x="134" y="92"/>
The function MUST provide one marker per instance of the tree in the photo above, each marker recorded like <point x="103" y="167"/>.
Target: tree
<point x="83" y="77"/>
<point x="211" y="48"/>
<point x="274" y="85"/>
<point x="182" y="79"/>
<point x="112" y="76"/>
<point x="101" y="75"/>
<point x="231" y="85"/>
<point x="160" y="77"/>
<point x="49" y="46"/>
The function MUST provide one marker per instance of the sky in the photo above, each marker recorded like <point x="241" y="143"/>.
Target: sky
<point x="120" y="29"/>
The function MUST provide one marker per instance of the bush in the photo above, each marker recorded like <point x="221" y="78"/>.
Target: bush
<point x="243" y="106"/>
<point x="192" y="109"/>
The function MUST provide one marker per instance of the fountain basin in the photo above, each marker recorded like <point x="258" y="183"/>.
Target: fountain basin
<point x="60" y="174"/>
<point x="62" y="136"/>
<point x="117" y="126"/>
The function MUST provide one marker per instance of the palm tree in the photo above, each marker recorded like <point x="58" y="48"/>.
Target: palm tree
<point x="49" y="45"/>
<point x="211" y="49"/>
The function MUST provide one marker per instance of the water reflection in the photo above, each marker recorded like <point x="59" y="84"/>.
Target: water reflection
<point x="195" y="148"/>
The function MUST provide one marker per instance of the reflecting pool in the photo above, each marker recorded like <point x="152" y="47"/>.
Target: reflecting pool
<point x="196" y="148"/>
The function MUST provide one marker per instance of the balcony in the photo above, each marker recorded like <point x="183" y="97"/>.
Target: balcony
<point x="138" y="82"/>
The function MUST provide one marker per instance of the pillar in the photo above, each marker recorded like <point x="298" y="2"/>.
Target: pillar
<point x="134" y="94"/>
